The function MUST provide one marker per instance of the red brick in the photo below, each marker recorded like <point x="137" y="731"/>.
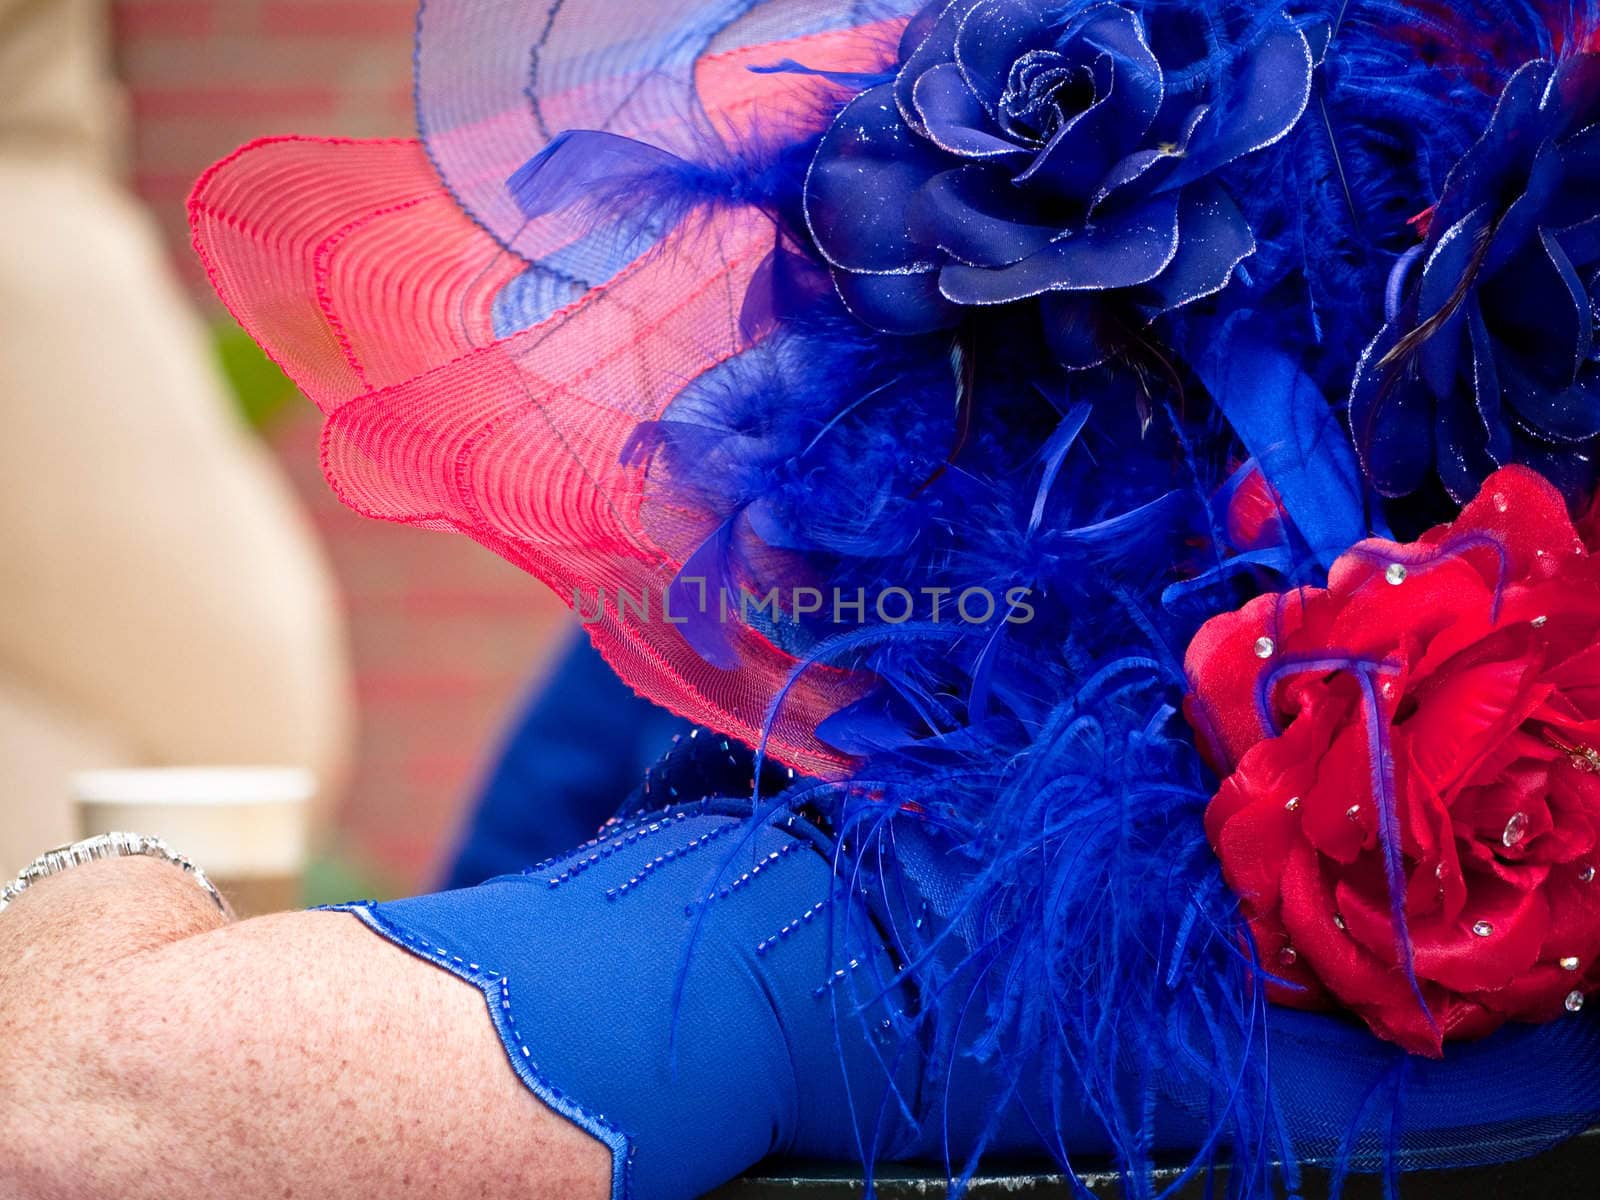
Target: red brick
<point x="338" y="18"/>
<point x="532" y="602"/>
<point x="401" y="102"/>
<point x="158" y="103"/>
<point x="428" y="771"/>
<point x="161" y="188"/>
<point x="389" y="687"/>
<point x="350" y="66"/>
<point x="135" y="20"/>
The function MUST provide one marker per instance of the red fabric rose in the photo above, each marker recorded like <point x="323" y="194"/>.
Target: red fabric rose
<point x="1410" y="807"/>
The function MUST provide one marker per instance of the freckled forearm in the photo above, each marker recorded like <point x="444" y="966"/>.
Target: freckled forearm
<point x="94" y="915"/>
<point x="62" y="942"/>
<point x="295" y="1054"/>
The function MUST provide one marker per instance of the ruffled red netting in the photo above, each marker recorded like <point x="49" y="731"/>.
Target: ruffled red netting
<point x="373" y="282"/>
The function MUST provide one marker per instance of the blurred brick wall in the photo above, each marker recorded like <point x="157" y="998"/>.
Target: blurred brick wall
<point x="445" y="636"/>
<point x="204" y="76"/>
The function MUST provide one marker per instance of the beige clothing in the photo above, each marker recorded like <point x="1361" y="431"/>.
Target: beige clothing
<point x="161" y="598"/>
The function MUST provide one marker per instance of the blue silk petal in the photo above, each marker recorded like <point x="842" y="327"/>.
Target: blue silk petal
<point x="1486" y="390"/>
<point x="1119" y="32"/>
<point x="965" y="212"/>
<point x="1213" y="238"/>
<point x="1494" y="154"/>
<point x="1263" y="104"/>
<point x="1076" y="158"/>
<point x="1568" y="416"/>
<point x="952" y="117"/>
<point x="1569" y="469"/>
<point x="1576" y="90"/>
<point x="992" y="36"/>
<point x="1517" y="225"/>
<point x="907" y="302"/>
<point x="1581" y="242"/>
<point x="1463" y="459"/>
<point x="867" y="170"/>
<point x="1541" y="315"/>
<point x="1449" y="262"/>
<point x="1570" y="307"/>
<point x="1130" y="249"/>
<point x="1159" y="162"/>
<point x="1391" y="420"/>
<point x="1130" y="170"/>
<point x="1517" y="108"/>
<point x="929" y="39"/>
<point x="1580" y="159"/>
<point x="1439" y="358"/>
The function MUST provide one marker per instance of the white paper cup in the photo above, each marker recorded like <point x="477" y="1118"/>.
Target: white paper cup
<point x="246" y="827"/>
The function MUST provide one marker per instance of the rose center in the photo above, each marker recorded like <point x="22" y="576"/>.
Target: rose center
<point x="1044" y="91"/>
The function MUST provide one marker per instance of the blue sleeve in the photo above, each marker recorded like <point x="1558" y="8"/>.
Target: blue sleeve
<point x="576" y="751"/>
<point x="676" y="989"/>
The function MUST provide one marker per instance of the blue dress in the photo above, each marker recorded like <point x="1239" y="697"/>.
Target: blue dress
<point x="700" y="989"/>
<point x="671" y="987"/>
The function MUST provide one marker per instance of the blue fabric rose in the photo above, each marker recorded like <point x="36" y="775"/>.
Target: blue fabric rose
<point x="1488" y="356"/>
<point x="1033" y="149"/>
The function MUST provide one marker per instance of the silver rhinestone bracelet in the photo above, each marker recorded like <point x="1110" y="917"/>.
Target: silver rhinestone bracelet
<point x="106" y="845"/>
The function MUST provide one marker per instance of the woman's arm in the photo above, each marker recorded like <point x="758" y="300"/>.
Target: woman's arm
<point x="148" y="1049"/>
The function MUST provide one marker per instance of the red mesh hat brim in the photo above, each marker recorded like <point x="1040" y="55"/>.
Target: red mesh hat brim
<point x="367" y="281"/>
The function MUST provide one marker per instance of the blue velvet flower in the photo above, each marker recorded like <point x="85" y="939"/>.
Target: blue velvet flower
<point x="1033" y="149"/>
<point x="1489" y="353"/>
